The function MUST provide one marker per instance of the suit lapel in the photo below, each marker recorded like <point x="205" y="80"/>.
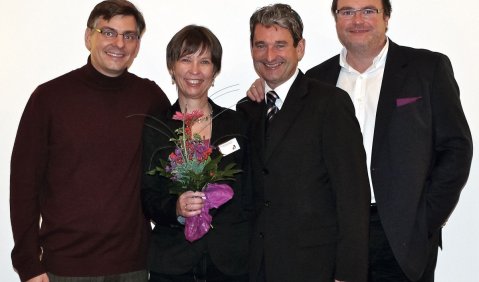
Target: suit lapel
<point x="286" y="117"/>
<point x="392" y="84"/>
<point x="260" y="129"/>
<point x="331" y="74"/>
<point x="257" y="117"/>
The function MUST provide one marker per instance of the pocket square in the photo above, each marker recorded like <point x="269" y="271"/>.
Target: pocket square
<point x="404" y="101"/>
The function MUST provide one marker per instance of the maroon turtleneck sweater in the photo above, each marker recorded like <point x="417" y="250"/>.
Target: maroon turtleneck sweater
<point x="76" y="163"/>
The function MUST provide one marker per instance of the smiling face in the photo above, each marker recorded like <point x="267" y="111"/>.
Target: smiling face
<point x="112" y="56"/>
<point x="359" y="34"/>
<point x="194" y="74"/>
<point x="275" y="57"/>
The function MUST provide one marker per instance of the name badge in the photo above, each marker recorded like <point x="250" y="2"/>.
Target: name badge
<point x="229" y="147"/>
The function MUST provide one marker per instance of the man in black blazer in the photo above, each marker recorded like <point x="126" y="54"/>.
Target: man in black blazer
<point x="416" y="136"/>
<point x="309" y="167"/>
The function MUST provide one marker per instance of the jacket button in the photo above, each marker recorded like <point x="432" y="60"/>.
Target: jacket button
<point x="265" y="171"/>
<point x="261" y="235"/>
<point x="267" y="204"/>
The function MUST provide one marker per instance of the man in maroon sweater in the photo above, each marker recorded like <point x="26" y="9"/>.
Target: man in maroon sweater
<point x="75" y="170"/>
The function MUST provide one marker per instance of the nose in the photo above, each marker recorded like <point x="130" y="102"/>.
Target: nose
<point x="194" y="67"/>
<point x="358" y="17"/>
<point x="119" y="41"/>
<point x="270" y="54"/>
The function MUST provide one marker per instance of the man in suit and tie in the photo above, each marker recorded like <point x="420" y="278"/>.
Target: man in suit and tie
<point x="417" y="140"/>
<point x="309" y="166"/>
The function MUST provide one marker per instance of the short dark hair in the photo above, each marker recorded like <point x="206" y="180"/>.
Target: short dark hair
<point x="279" y="14"/>
<point x="110" y="8"/>
<point x="191" y="39"/>
<point x="386" y="6"/>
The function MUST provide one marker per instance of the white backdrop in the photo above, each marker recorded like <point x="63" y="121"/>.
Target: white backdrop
<point x="41" y="40"/>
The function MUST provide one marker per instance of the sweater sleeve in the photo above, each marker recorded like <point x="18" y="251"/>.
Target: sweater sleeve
<point x="27" y="179"/>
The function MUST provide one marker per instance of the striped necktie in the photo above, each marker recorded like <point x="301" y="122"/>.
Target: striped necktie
<point x="271" y="97"/>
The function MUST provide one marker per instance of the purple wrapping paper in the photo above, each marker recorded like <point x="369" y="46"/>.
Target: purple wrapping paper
<point x="216" y="195"/>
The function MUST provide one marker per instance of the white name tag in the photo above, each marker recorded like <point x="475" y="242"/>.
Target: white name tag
<point x="229" y="147"/>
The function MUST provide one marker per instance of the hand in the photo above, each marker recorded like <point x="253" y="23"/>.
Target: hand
<point x="256" y="91"/>
<point x="190" y="203"/>
<point x="40" y="278"/>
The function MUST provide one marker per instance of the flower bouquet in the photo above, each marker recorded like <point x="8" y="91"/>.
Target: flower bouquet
<point x="191" y="168"/>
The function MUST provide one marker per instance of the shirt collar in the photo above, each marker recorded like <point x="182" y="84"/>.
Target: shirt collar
<point x="378" y="61"/>
<point x="283" y="89"/>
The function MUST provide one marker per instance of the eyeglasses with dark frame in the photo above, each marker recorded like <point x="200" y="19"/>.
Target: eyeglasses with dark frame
<point x="364" y="12"/>
<point x="109" y="33"/>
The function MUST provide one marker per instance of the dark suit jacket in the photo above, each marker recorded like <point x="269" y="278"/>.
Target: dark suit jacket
<point x="422" y="149"/>
<point x="227" y="242"/>
<point x="311" y="187"/>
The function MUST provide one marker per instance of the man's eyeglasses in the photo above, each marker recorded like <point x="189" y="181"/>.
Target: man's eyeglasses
<point x="111" y="34"/>
<point x="365" y="12"/>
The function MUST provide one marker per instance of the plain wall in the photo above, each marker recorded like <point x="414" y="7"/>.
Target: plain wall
<point x="41" y="40"/>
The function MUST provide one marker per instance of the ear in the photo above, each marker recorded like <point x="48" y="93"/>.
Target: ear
<point x="301" y="48"/>
<point x="172" y="73"/>
<point x="386" y="22"/>
<point x="88" y="32"/>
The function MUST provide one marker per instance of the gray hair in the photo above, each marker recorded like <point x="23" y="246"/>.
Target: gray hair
<point x="278" y="14"/>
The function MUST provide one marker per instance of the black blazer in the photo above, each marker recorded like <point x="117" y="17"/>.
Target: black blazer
<point x="422" y="149"/>
<point x="227" y="242"/>
<point x="311" y="187"/>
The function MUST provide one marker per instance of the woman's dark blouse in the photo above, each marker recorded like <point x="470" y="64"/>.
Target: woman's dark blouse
<point x="227" y="243"/>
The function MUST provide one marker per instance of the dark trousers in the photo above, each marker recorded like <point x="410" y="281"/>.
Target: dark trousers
<point x="136" y="276"/>
<point x="204" y="271"/>
<point x="383" y="267"/>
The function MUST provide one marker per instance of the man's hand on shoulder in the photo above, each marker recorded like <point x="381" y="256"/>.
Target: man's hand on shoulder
<point x="256" y="91"/>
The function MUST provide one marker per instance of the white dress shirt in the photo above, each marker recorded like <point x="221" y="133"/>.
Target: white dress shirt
<point x="364" y="89"/>
<point x="281" y="90"/>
